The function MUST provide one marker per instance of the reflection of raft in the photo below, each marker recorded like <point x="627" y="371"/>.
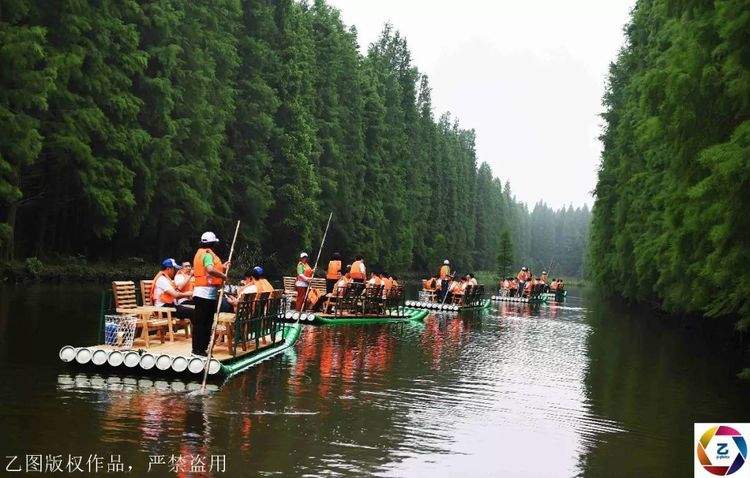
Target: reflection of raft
<point x="175" y="358"/>
<point x="483" y="304"/>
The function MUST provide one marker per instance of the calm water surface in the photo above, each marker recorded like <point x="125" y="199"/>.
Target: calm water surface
<point x="583" y="389"/>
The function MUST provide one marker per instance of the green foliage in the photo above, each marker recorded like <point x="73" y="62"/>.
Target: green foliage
<point x="669" y="224"/>
<point x="505" y="254"/>
<point x="33" y="265"/>
<point x="129" y="127"/>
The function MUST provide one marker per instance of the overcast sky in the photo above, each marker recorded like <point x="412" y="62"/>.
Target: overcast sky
<point x="528" y="76"/>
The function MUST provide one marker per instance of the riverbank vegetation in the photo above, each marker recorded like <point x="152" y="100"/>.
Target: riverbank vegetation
<point x="128" y="128"/>
<point x="669" y="222"/>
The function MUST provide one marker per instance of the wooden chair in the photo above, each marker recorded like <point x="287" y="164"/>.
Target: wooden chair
<point x="124" y="296"/>
<point x="349" y="302"/>
<point x="146" y="292"/>
<point x="372" y="300"/>
<point x="289" y="289"/>
<point x="149" y="317"/>
<point x="396" y="298"/>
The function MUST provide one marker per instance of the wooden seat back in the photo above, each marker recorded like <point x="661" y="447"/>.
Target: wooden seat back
<point x="289" y="285"/>
<point x="146" y="292"/>
<point x="317" y="283"/>
<point x="123" y="293"/>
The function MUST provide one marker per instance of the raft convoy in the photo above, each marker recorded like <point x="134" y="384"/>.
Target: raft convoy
<point x="154" y="338"/>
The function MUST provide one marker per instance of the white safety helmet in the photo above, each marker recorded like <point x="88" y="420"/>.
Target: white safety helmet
<point x="446" y="262"/>
<point x="209" y="237"/>
<point x="304" y="254"/>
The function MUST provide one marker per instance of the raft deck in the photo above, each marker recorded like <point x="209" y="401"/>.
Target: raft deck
<point x="175" y="357"/>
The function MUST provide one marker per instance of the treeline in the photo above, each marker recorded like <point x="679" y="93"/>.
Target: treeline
<point x="557" y="240"/>
<point x="129" y="127"/>
<point x="670" y="223"/>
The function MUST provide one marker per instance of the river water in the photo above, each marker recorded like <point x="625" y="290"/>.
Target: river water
<point x="582" y="389"/>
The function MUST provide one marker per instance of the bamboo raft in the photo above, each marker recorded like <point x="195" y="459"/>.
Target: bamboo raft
<point x="542" y="298"/>
<point x="431" y="305"/>
<point x="174" y="357"/>
<point x="252" y="334"/>
<point x="400" y="314"/>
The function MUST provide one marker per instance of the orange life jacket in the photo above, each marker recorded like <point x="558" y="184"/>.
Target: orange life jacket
<point x="522" y="276"/>
<point x="358" y="270"/>
<point x="164" y="297"/>
<point x="306" y="270"/>
<point x="263" y="286"/>
<point x="188" y="285"/>
<point x="334" y="270"/>
<point x="445" y="271"/>
<point x="202" y="279"/>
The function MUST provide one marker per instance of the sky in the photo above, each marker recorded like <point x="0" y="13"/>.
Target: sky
<point x="528" y="76"/>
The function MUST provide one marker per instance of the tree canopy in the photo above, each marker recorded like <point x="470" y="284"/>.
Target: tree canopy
<point x="129" y="127"/>
<point x="669" y="225"/>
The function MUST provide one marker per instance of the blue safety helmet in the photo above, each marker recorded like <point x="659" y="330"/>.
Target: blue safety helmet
<point x="258" y="270"/>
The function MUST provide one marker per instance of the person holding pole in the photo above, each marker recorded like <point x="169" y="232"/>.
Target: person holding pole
<point x="304" y="275"/>
<point x="210" y="275"/>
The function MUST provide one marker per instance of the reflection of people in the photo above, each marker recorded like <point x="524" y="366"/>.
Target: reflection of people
<point x="209" y="276"/>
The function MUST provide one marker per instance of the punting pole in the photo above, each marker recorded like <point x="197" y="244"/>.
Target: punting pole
<point x="216" y="314"/>
<point x="320" y="250"/>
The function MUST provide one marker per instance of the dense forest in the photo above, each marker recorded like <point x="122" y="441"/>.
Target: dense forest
<point x="669" y="224"/>
<point x="129" y="127"/>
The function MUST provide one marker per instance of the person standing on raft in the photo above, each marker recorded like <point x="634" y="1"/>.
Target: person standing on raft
<point x="333" y="274"/>
<point x="304" y="273"/>
<point x="209" y="277"/>
<point x="445" y="277"/>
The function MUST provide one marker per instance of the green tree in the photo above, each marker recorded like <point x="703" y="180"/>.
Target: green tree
<point x="505" y="254"/>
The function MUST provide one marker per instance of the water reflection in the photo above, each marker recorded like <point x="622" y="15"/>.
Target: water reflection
<point x="579" y="388"/>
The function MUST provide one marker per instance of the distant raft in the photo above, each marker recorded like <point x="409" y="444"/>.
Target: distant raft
<point x="438" y="306"/>
<point x="544" y="297"/>
<point x="401" y="314"/>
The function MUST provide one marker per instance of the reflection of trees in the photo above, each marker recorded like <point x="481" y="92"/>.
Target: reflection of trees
<point x="654" y="379"/>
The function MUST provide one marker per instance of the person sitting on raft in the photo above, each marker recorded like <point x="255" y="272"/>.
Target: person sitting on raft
<point x="254" y="283"/>
<point x="503" y="286"/>
<point x="164" y="292"/>
<point x="340" y="287"/>
<point x="358" y="271"/>
<point x="544" y="281"/>
<point x="553" y="285"/>
<point x="429" y="284"/>
<point x="512" y="286"/>
<point x="333" y="273"/>
<point x="185" y="280"/>
<point x="522" y="276"/>
<point x="304" y="274"/>
<point x="528" y="287"/>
